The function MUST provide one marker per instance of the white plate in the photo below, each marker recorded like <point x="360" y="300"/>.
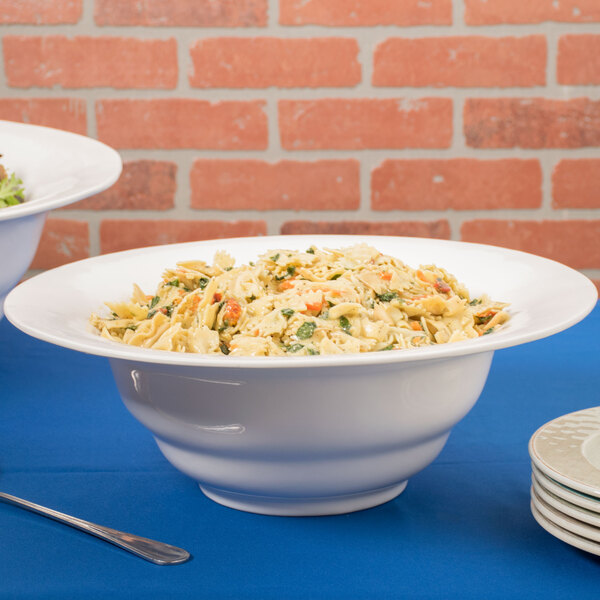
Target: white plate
<point x="566" y="493"/>
<point x="562" y="534"/>
<point x="567" y="450"/>
<point x="545" y="296"/>
<point x="581" y="514"/>
<point x="565" y="521"/>
<point x="57" y="167"/>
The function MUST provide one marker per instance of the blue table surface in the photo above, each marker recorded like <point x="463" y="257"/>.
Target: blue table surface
<point x="461" y="529"/>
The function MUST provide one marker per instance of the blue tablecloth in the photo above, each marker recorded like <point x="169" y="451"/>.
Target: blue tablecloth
<point x="462" y="529"/>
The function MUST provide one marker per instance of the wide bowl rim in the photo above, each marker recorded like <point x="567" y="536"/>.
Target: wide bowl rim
<point x="36" y="206"/>
<point x="101" y="347"/>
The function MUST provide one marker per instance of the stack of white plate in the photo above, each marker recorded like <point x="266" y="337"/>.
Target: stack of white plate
<point x="565" y="491"/>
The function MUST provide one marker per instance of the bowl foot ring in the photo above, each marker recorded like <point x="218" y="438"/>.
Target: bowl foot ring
<point x="303" y="507"/>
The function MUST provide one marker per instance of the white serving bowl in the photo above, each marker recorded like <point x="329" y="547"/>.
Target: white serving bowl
<point x="57" y="168"/>
<point x="302" y="435"/>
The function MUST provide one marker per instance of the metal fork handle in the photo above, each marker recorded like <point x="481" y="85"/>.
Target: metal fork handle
<point x="157" y="552"/>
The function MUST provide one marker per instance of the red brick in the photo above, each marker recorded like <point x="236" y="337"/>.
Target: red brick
<point x="40" y="12"/>
<point x="365" y="123"/>
<point x="365" y="12"/>
<point x="182" y="13"/>
<point x="576" y="183"/>
<point x="574" y="243"/>
<point x="63" y="241"/>
<point x="116" y="235"/>
<point x="182" y="123"/>
<point x="46" y="61"/>
<point x="578" y="61"/>
<point x="265" y="62"/>
<point x="432" y="229"/>
<point x="62" y="113"/>
<point x="457" y="183"/>
<point x="469" y="61"/>
<point x="596" y="282"/>
<point x="492" y="12"/>
<point x="143" y="185"/>
<point x="531" y="123"/>
<point x="285" y="185"/>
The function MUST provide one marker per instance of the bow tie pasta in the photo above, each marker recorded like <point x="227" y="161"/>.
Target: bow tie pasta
<point x="291" y="303"/>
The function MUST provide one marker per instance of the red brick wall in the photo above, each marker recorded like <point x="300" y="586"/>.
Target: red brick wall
<point x="463" y="119"/>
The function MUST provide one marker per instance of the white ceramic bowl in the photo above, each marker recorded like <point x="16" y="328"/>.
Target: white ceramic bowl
<point x="302" y="435"/>
<point x="57" y="168"/>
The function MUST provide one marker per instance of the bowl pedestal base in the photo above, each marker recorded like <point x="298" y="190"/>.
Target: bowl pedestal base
<point x="303" y="507"/>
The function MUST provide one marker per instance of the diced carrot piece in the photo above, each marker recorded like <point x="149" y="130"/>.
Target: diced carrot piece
<point x="421" y="276"/>
<point x="335" y="293"/>
<point x="416" y="325"/>
<point x="314" y="307"/>
<point x="385" y="275"/>
<point x="287" y="284"/>
<point x="232" y="311"/>
<point x="216" y="297"/>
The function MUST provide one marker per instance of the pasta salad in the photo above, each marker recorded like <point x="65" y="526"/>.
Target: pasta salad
<point x="11" y="188"/>
<point x="292" y="303"/>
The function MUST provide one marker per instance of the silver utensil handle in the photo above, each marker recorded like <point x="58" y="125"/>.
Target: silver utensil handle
<point x="156" y="552"/>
